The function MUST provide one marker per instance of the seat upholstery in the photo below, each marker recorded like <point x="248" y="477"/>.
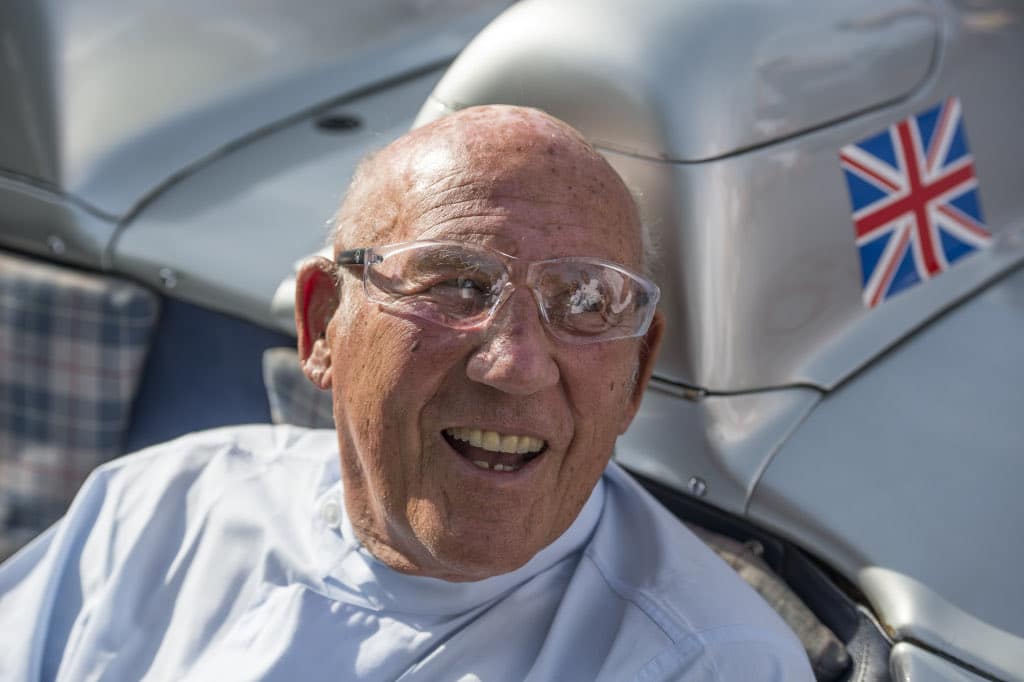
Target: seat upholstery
<point x="293" y="399"/>
<point x="72" y="348"/>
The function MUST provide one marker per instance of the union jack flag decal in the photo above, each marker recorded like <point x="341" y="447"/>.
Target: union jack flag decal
<point x="915" y="201"/>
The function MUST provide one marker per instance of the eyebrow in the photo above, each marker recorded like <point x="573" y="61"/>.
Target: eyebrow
<point x="451" y="256"/>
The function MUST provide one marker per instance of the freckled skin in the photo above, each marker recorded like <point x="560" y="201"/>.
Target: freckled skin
<point x="528" y="185"/>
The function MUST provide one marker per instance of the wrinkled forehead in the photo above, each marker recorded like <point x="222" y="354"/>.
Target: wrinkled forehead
<point x="516" y="180"/>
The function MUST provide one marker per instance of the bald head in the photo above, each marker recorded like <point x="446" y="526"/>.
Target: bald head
<point x="488" y="159"/>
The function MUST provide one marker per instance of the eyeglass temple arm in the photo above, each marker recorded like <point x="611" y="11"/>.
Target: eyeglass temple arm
<point x="351" y="257"/>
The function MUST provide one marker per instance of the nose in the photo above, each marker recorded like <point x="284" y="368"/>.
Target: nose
<point x="516" y="355"/>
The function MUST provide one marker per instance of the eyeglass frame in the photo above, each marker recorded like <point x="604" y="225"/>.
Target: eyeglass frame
<point x="357" y="257"/>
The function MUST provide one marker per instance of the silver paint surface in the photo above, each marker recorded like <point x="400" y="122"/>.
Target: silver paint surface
<point x="233" y="230"/>
<point x="689" y="81"/>
<point x="724" y="441"/>
<point x="760" y="274"/>
<point x="909" y="663"/>
<point x="32" y="216"/>
<point x="907" y="480"/>
<point x="106" y="103"/>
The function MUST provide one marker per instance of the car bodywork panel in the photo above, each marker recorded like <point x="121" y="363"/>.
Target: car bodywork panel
<point x="716" y="446"/>
<point x="907" y="479"/>
<point x="108" y="103"/>
<point x="283" y="205"/>
<point x="918" y="665"/>
<point x="670" y="70"/>
<point x="761" y="283"/>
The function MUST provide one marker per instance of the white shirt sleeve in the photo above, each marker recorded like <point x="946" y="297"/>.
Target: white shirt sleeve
<point x="41" y="591"/>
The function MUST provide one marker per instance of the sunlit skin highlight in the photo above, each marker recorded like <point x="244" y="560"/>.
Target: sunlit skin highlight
<point x="528" y="185"/>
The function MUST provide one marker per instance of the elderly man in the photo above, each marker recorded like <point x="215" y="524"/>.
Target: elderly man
<point x="487" y="330"/>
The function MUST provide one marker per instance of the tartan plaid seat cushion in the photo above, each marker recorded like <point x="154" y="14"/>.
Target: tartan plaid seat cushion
<point x="293" y="398"/>
<point x="72" y="347"/>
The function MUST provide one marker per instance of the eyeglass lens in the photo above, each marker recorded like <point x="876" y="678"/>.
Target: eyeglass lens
<point x="460" y="285"/>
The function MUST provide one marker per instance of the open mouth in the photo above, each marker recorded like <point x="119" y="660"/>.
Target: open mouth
<point x="503" y="452"/>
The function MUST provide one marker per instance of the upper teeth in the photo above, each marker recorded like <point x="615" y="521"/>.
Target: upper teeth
<point x="496" y="442"/>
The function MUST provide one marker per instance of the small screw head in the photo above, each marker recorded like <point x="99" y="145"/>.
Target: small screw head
<point x="694" y="395"/>
<point x="56" y="245"/>
<point x="698" y="486"/>
<point x="169" y="278"/>
<point x="755" y="547"/>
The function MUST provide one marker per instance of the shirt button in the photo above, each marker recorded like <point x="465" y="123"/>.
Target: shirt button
<point x="330" y="512"/>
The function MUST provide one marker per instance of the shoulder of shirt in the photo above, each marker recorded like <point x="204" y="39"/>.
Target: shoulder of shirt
<point x="202" y="461"/>
<point x="256" y="444"/>
<point x="697" y="602"/>
<point x="246" y="473"/>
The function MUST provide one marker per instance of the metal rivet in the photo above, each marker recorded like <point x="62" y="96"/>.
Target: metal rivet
<point x="56" y="245"/>
<point x="698" y="486"/>
<point x="755" y="547"/>
<point x="169" y="278"/>
<point x="694" y="395"/>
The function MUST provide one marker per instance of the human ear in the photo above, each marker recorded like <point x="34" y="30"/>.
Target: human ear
<point x="648" y="354"/>
<point x="316" y="299"/>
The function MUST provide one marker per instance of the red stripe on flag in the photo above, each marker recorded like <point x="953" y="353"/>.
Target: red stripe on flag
<point x="890" y="269"/>
<point x="886" y="214"/>
<point x="918" y="199"/>
<point x="885" y="182"/>
<point x="965" y="221"/>
<point x="940" y="133"/>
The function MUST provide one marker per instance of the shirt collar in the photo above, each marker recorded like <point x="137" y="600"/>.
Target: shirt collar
<point x="355" y="576"/>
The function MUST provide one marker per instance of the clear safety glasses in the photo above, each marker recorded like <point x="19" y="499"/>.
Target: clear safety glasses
<point x="462" y="286"/>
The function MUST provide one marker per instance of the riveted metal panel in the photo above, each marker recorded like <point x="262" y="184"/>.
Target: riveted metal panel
<point x="714" y="447"/>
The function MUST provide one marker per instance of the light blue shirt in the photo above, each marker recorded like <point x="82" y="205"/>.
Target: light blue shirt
<point x="226" y="555"/>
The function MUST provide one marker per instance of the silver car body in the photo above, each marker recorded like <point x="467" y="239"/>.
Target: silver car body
<point x="202" y="150"/>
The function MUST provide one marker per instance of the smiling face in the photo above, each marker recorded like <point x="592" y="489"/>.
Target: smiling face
<point x="423" y="411"/>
